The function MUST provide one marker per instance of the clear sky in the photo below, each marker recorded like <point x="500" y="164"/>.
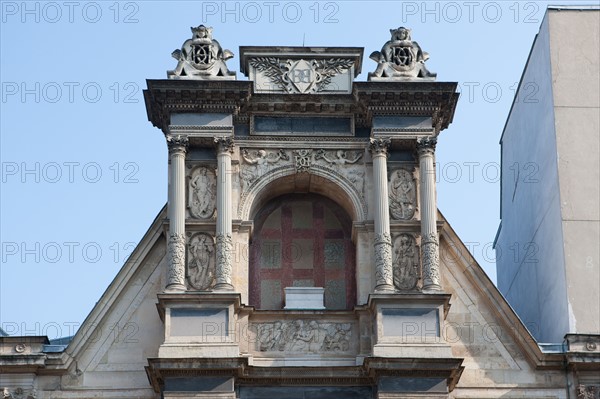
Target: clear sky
<point x="84" y="172"/>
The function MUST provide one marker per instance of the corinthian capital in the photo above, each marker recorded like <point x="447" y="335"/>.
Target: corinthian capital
<point x="224" y="144"/>
<point x="379" y="146"/>
<point x="426" y="145"/>
<point x="177" y="143"/>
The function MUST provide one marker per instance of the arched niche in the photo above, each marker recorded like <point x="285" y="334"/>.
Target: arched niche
<point x="302" y="240"/>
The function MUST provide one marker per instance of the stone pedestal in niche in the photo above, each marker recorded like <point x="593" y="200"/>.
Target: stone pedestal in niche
<point x="304" y="298"/>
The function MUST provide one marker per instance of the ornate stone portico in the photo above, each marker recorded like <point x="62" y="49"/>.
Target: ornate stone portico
<point x="296" y="145"/>
<point x="301" y="252"/>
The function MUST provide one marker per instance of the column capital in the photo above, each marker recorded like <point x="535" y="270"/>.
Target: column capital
<point x="426" y="145"/>
<point x="177" y="143"/>
<point x="224" y="144"/>
<point x="379" y="146"/>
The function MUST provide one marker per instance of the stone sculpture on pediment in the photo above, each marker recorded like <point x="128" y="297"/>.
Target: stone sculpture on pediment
<point x="401" y="58"/>
<point x="202" y="193"/>
<point x="201" y="262"/>
<point x="257" y="163"/>
<point x="405" y="262"/>
<point x="201" y="57"/>
<point x="402" y="195"/>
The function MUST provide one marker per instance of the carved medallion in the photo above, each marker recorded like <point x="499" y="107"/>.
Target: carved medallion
<point x="202" y="193"/>
<point x="201" y="262"/>
<point x="406" y="262"/>
<point x="402" y="195"/>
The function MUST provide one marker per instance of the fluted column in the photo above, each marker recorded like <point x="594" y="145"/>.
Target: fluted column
<point x="430" y="251"/>
<point x="224" y="240"/>
<point x="176" y="213"/>
<point x="384" y="280"/>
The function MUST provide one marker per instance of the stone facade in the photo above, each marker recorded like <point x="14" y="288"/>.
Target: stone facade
<point x="303" y="185"/>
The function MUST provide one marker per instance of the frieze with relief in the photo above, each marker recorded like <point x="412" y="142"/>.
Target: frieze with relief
<point x="303" y="336"/>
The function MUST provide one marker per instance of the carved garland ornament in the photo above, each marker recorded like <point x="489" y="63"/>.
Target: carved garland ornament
<point x="176" y="259"/>
<point x="383" y="259"/>
<point x="301" y="76"/>
<point x="224" y="261"/>
<point x="431" y="259"/>
<point x="303" y="336"/>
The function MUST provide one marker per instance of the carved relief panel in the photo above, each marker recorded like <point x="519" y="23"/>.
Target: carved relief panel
<point x="402" y="194"/>
<point x="201" y="262"/>
<point x="346" y="163"/>
<point x="405" y="263"/>
<point x="202" y="193"/>
<point x="256" y="163"/>
<point x="304" y="336"/>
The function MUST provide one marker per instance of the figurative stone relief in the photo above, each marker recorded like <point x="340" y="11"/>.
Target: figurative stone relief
<point x="301" y="76"/>
<point x="201" y="57"/>
<point x="202" y="193"/>
<point x="344" y="162"/>
<point x="405" y="262"/>
<point x="201" y="262"/>
<point x="401" y="59"/>
<point x="303" y="336"/>
<point x="257" y="163"/>
<point x="402" y="195"/>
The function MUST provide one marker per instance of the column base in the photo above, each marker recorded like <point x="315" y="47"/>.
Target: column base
<point x="385" y="288"/>
<point x="175" y="288"/>
<point x="431" y="288"/>
<point x="223" y="287"/>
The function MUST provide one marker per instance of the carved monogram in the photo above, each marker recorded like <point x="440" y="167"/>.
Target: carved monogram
<point x="202" y="193"/>
<point x="301" y="76"/>
<point x="401" y="57"/>
<point x="201" y="57"/>
<point x="303" y="159"/>
<point x="303" y="336"/>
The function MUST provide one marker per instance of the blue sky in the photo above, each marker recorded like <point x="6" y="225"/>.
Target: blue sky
<point x="84" y="172"/>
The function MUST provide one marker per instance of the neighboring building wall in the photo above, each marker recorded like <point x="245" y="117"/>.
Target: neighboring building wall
<point x="547" y="244"/>
<point x="575" y="60"/>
